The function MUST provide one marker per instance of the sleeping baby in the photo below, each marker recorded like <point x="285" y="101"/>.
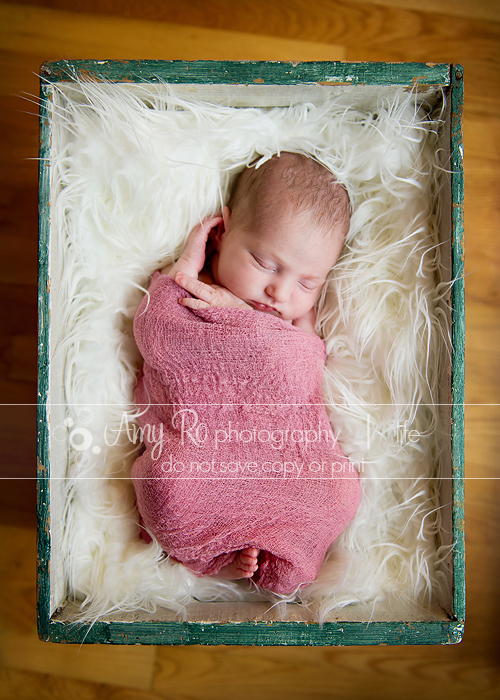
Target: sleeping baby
<point x="241" y="474"/>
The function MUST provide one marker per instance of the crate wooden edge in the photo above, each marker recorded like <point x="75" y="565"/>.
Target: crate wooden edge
<point x="43" y="463"/>
<point x="326" y="73"/>
<point x="458" y="340"/>
<point x="251" y="72"/>
<point x="257" y="633"/>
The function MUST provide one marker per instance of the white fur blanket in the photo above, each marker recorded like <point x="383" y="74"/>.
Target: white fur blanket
<point x="133" y="170"/>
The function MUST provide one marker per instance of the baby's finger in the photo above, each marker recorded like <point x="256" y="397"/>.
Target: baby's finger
<point x="194" y="303"/>
<point x="193" y="256"/>
<point x="195" y="287"/>
<point x="194" y="250"/>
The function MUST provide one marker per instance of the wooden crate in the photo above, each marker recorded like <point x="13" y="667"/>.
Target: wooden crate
<point x="261" y="84"/>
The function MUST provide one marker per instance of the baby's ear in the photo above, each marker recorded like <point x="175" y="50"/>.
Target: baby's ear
<point x="226" y="215"/>
<point x="222" y="227"/>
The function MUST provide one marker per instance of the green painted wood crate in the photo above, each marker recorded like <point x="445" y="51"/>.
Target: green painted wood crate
<point x="259" y="83"/>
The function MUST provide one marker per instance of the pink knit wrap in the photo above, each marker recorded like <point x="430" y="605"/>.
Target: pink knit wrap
<point x="239" y="451"/>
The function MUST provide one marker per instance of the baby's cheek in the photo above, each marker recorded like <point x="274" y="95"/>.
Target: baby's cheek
<point x="307" y="307"/>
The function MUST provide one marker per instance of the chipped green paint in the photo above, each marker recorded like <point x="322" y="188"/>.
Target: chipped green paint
<point x="258" y="633"/>
<point x="458" y="339"/>
<point x="250" y="633"/>
<point x="248" y="72"/>
<point x="43" y="466"/>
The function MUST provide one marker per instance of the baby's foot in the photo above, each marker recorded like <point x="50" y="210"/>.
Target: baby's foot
<point x="244" y="565"/>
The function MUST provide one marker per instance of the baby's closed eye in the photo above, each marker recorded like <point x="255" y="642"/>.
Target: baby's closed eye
<point x="310" y="285"/>
<point x="264" y="264"/>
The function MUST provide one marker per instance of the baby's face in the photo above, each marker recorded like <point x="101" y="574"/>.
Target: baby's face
<point x="278" y="269"/>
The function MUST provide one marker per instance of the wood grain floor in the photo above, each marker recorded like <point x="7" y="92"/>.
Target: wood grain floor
<point x="465" y="31"/>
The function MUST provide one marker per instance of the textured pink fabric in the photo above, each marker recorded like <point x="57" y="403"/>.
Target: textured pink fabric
<point x="239" y="451"/>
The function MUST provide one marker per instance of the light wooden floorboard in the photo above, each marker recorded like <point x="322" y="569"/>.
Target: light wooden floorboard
<point x="475" y="9"/>
<point x="49" y="33"/>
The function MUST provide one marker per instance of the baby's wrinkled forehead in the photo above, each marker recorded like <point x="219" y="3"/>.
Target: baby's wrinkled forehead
<point x="292" y="183"/>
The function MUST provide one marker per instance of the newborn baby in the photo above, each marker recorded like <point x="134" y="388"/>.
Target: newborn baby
<point x="269" y="252"/>
<point x="281" y="233"/>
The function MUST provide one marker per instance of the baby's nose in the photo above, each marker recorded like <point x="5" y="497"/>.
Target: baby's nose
<point x="279" y="291"/>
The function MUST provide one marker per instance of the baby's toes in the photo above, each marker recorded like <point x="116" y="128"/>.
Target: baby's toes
<point x="250" y="568"/>
<point x="246" y="560"/>
<point x="248" y="564"/>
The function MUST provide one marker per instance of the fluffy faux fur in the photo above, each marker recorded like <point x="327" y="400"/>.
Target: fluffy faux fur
<point x="133" y="170"/>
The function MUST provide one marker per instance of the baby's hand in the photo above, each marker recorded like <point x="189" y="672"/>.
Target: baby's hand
<point x="207" y="295"/>
<point x="307" y="322"/>
<point x="193" y="256"/>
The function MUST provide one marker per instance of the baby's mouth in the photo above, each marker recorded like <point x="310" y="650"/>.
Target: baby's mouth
<point x="264" y="307"/>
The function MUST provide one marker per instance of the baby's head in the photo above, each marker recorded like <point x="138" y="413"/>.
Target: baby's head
<point x="284" y="229"/>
